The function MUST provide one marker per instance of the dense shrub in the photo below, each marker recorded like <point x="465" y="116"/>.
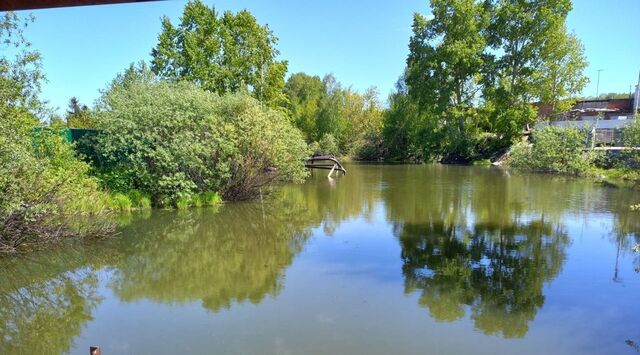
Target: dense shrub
<point x="554" y="149"/>
<point x="371" y="148"/>
<point x="45" y="192"/>
<point x="631" y="133"/>
<point x="328" y="145"/>
<point x="209" y="199"/>
<point x="174" y="140"/>
<point x="139" y="200"/>
<point x="343" y="119"/>
<point x="120" y="202"/>
<point x="631" y="139"/>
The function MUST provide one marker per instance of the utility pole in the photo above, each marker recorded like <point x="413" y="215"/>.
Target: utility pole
<point x="598" y="84"/>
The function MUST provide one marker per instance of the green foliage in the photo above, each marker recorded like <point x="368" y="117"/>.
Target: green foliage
<point x="556" y="150"/>
<point x="323" y="109"/>
<point x="139" y="200"/>
<point x="402" y="132"/>
<point x="328" y="145"/>
<point x="631" y="133"/>
<point x="631" y="139"/>
<point x="446" y="93"/>
<point x="314" y="148"/>
<point x="209" y="199"/>
<point x="21" y="74"/>
<point x="44" y="190"/>
<point x="304" y="93"/>
<point x="225" y="53"/>
<point x="473" y="71"/>
<point x="173" y="140"/>
<point x="120" y="202"/>
<point x="182" y="203"/>
<point x="362" y="131"/>
<point x="371" y="148"/>
<point x="560" y="75"/>
<point x="113" y="178"/>
<point x="78" y="116"/>
<point x="330" y="115"/>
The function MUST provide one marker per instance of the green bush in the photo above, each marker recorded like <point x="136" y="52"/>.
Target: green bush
<point x="45" y="192"/>
<point x="209" y="199"/>
<point x="172" y="140"/>
<point x="631" y="139"/>
<point x="371" y="148"/>
<point x="195" y="201"/>
<point x="314" y="148"/>
<point x="556" y="150"/>
<point x="182" y="203"/>
<point x="328" y="145"/>
<point x="120" y="202"/>
<point x="631" y="133"/>
<point x="139" y="200"/>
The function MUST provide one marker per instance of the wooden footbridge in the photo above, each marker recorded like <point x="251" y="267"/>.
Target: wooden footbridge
<point x="327" y="162"/>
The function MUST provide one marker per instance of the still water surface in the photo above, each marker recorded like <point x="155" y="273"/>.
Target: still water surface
<point x="386" y="260"/>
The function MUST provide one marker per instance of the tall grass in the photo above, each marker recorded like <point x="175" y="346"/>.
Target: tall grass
<point x="139" y="200"/>
<point x="120" y="202"/>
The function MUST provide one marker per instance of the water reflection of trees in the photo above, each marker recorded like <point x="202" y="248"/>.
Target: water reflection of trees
<point x="238" y="254"/>
<point x="329" y="202"/>
<point x="481" y="243"/>
<point x="626" y="228"/>
<point x="475" y="242"/>
<point x="43" y="305"/>
<point x="498" y="272"/>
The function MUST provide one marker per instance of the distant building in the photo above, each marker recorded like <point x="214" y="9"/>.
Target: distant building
<point x="606" y="117"/>
<point x="607" y="109"/>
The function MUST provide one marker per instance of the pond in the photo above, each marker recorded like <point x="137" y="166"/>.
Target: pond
<point x="389" y="259"/>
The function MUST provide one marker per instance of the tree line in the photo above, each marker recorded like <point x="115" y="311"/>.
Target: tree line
<point x="213" y="113"/>
<point x="474" y="70"/>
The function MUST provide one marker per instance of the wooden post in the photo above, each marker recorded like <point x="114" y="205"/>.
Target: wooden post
<point x="94" y="350"/>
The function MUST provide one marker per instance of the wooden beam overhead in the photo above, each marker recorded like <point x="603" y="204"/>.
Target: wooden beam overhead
<point x="15" y="5"/>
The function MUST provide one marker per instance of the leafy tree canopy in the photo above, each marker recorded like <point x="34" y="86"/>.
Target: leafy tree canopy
<point x="473" y="71"/>
<point x="225" y="53"/>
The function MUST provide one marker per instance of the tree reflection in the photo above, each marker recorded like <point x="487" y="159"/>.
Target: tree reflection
<point x="43" y="305"/>
<point x="626" y="228"/>
<point x="330" y="202"/>
<point x="236" y="255"/>
<point x="481" y="243"/>
<point x="475" y="243"/>
<point x="498" y="272"/>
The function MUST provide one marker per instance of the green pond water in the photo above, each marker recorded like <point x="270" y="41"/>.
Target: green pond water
<point x="389" y="259"/>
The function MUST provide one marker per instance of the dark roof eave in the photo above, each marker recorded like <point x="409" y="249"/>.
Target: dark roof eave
<point x="16" y="5"/>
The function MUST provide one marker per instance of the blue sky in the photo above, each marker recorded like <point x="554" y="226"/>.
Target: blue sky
<point x="363" y="43"/>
